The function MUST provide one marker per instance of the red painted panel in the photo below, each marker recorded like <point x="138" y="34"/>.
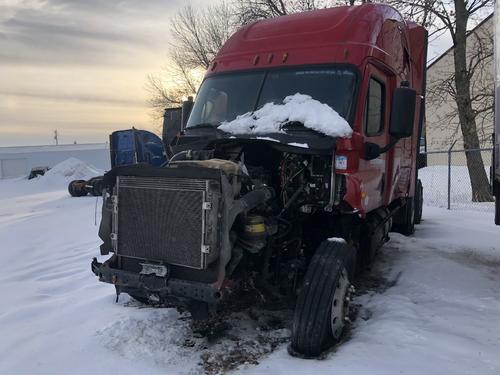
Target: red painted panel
<point x="372" y="35"/>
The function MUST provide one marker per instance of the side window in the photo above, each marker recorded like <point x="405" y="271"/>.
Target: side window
<point x="374" y="110"/>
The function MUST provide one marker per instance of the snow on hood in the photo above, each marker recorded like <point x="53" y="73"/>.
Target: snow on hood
<point x="71" y="169"/>
<point x="302" y="145"/>
<point x="302" y="108"/>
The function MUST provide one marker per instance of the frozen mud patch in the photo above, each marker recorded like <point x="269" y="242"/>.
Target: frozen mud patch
<point x="164" y="337"/>
<point x="153" y="335"/>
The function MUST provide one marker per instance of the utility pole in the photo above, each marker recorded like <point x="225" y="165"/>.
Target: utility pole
<point x="56" y="137"/>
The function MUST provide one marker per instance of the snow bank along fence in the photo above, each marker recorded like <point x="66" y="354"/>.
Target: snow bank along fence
<point x="447" y="181"/>
<point x="18" y="161"/>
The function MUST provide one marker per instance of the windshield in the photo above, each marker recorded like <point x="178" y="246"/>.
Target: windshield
<point x="222" y="98"/>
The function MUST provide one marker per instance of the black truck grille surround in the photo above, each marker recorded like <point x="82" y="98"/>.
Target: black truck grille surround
<point x="164" y="219"/>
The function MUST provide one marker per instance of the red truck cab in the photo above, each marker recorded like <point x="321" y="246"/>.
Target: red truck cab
<point x="383" y="50"/>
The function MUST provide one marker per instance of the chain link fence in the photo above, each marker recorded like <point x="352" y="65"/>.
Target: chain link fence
<point x="446" y="179"/>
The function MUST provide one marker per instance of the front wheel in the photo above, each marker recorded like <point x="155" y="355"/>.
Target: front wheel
<point x="323" y="304"/>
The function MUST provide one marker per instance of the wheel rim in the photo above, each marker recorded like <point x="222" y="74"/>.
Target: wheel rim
<point x="340" y="305"/>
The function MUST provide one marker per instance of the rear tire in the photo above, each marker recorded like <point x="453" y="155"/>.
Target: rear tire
<point x="76" y="188"/>
<point x="96" y="184"/>
<point x="404" y="220"/>
<point x="419" y="202"/>
<point x="323" y="301"/>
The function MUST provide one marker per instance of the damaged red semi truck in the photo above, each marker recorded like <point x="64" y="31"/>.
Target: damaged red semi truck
<point x="290" y="213"/>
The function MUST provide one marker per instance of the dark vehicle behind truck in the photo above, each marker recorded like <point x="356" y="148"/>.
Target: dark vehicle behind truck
<point x="495" y="165"/>
<point x="126" y="147"/>
<point x="291" y="214"/>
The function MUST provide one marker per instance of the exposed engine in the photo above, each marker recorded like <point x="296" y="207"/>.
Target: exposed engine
<point x="250" y="215"/>
<point x="268" y="245"/>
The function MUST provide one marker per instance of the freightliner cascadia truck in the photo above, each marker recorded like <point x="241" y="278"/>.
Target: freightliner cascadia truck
<point x="296" y="160"/>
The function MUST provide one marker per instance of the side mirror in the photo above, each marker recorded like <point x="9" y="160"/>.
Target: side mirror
<point x="187" y="106"/>
<point x="402" y="112"/>
<point x="171" y="127"/>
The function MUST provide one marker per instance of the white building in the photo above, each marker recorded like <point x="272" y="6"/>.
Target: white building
<point x="442" y="125"/>
<point x="18" y="161"/>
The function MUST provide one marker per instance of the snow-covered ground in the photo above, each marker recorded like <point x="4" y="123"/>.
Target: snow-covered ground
<point x="430" y="305"/>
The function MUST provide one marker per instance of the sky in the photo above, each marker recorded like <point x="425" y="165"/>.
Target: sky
<point x="80" y="66"/>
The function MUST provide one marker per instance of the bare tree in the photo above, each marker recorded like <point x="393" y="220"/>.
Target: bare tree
<point x="173" y="84"/>
<point x="480" y="69"/>
<point x="454" y="16"/>
<point x="253" y="10"/>
<point x="442" y="94"/>
<point x="198" y="34"/>
<point x="196" y="37"/>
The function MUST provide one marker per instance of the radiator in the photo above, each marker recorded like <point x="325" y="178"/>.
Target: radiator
<point x="172" y="220"/>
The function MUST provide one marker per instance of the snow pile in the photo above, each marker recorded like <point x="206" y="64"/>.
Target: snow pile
<point x="71" y="169"/>
<point x="56" y="179"/>
<point x="301" y="108"/>
<point x="302" y="145"/>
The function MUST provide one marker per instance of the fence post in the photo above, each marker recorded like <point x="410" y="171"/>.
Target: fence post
<point x="449" y="173"/>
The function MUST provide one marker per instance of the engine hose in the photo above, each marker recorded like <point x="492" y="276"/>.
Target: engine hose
<point x="292" y="199"/>
<point x="251" y="200"/>
<point x="183" y="155"/>
<point x="256" y="197"/>
<point x="287" y="230"/>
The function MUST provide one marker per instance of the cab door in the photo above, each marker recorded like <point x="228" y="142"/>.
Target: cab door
<point x="376" y="173"/>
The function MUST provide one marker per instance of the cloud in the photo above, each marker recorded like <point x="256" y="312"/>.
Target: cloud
<point x="43" y="30"/>
<point x="86" y="32"/>
<point x="78" y="65"/>
<point x="88" y="98"/>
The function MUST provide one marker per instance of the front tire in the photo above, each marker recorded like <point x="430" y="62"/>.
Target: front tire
<point x="323" y="302"/>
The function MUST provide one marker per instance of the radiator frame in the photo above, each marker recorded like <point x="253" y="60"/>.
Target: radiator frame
<point x="210" y="206"/>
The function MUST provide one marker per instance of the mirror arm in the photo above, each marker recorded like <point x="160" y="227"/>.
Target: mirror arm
<point x="388" y="146"/>
<point x="373" y="150"/>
